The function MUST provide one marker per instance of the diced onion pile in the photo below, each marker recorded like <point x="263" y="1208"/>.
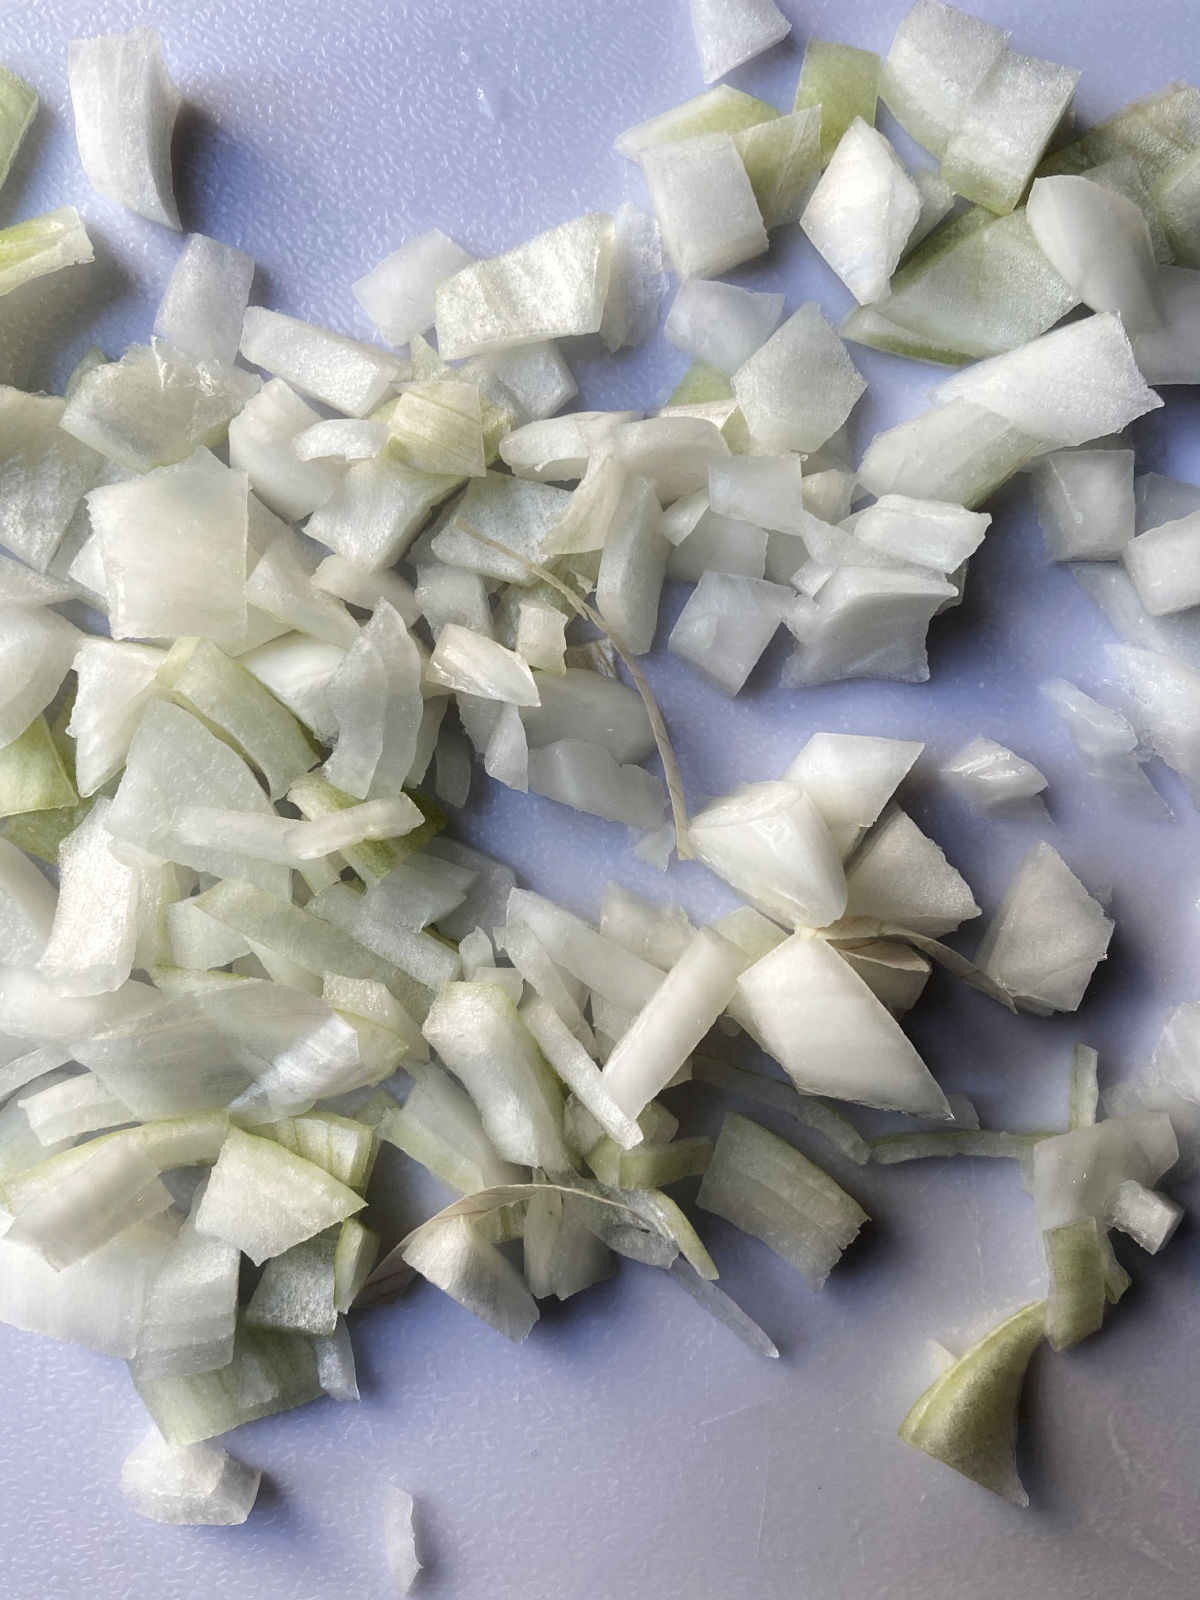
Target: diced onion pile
<point x="259" y="956"/>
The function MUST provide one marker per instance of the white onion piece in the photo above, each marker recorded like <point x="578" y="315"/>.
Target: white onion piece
<point x="430" y="961"/>
<point x="1078" y="1174"/>
<point x="632" y="565"/>
<point x="673" y="1021"/>
<point x="173" y="761"/>
<point x="469" y="662"/>
<point x="375" y="696"/>
<point x="270" y="1372"/>
<point x="1164" y="565"/>
<point x="262" y="442"/>
<point x="30" y="1010"/>
<point x="44" y="474"/>
<point x="764" y="1187"/>
<point x="991" y="776"/>
<point x="99" y="1302"/>
<point x="192" y="1485"/>
<point x="514" y="512"/>
<point x="1169" y="351"/>
<point x="281" y="585"/>
<point x="263" y="1199"/>
<point x="438" y="427"/>
<point x="1077" y="383"/>
<point x="449" y="594"/>
<point x="109" y="1185"/>
<point x="718" y="544"/>
<point x="721" y="109"/>
<point x="1149" y="1218"/>
<point x="938" y="59"/>
<point x="296" y="1290"/>
<point x="850" y="778"/>
<point x="156" y="406"/>
<point x="529" y="381"/>
<point x="452" y="1254"/>
<point x="782" y="157"/>
<point x="898" y="874"/>
<point x="42" y="245"/>
<point x="726" y="625"/>
<point x="1164" y="689"/>
<point x="657" y="933"/>
<point x="730" y="32"/>
<point x="1108" y="745"/>
<point x="610" y="710"/>
<point x="439" y="1126"/>
<point x="398" y="294"/>
<point x="27" y="904"/>
<point x="205" y="300"/>
<point x="767" y="491"/>
<point x="125" y="106"/>
<point x="820" y="1021"/>
<point x="1007" y="121"/>
<point x="1099" y="242"/>
<point x="477" y="1032"/>
<point x="91" y="945"/>
<point x="720" y="324"/>
<point x="637" y="280"/>
<point x="673" y="452"/>
<point x="418" y="891"/>
<point x="862" y="212"/>
<point x="585" y="776"/>
<point x="549" y="288"/>
<point x="114" y="682"/>
<point x="579" y="1072"/>
<point x="800" y="386"/>
<point x="598" y="962"/>
<point x="928" y="533"/>
<point x="348" y="376"/>
<point x="342" y="440"/>
<point x="867" y="623"/>
<point x="958" y="452"/>
<point x="21" y="586"/>
<point x="36" y="651"/>
<point x="191" y="1308"/>
<point x="399" y="1538"/>
<point x="704" y="203"/>
<point x="173" y="545"/>
<point x="769" y="841"/>
<point x="1085" y="503"/>
<point x="1047" y="937"/>
<point x="335" y="1364"/>
<point x="367" y="589"/>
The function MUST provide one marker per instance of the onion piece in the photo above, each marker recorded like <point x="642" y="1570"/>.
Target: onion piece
<point x="967" y="1418"/>
<point x="18" y="107"/>
<point x="637" y="280"/>
<point x="1077" y="383"/>
<point x="1148" y="1218"/>
<point x="156" y="406"/>
<point x="939" y="58"/>
<point x="551" y="287"/>
<point x="1085" y="503"/>
<point x="270" y="1372"/>
<point x="673" y="1022"/>
<point x="719" y="110"/>
<point x="36" y="651"/>
<point x="400" y="1539"/>
<point x="704" y="203"/>
<point x="195" y="1485"/>
<point x="125" y="106"/>
<point x="1047" y="937"/>
<point x="45" y="244"/>
<point x="991" y="776"/>
<point x="478" y="1034"/>
<point x="263" y="1199"/>
<point x="798" y="389"/>
<point x="398" y="294"/>
<point x="843" y="82"/>
<point x="191" y="1308"/>
<point x="989" y="1142"/>
<point x="820" y="1021"/>
<point x="862" y="212"/>
<point x="1075" y="1266"/>
<point x="1006" y="123"/>
<point x="1078" y="1174"/>
<point x="1069" y="215"/>
<point x="730" y="32"/>
<point x="205" y="299"/>
<point x="44" y="474"/>
<point x="771" y="843"/>
<point x="719" y="1305"/>
<point x="342" y="373"/>
<point x="763" y="1186"/>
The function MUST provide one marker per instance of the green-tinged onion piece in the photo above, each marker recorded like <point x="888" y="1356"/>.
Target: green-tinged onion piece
<point x="967" y="1418"/>
<point x="1075" y="1264"/>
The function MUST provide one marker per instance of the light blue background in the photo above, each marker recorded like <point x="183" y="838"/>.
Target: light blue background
<point x="632" y="1449"/>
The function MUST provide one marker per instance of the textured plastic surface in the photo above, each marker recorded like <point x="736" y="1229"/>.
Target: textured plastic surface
<point x="632" y="1448"/>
